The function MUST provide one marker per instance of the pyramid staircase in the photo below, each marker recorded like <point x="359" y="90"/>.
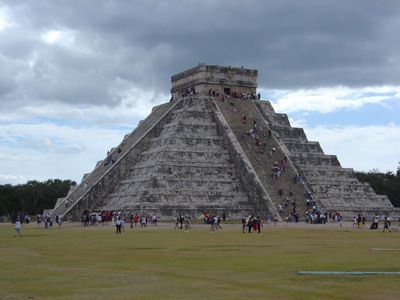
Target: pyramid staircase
<point x="336" y="188"/>
<point x="263" y="163"/>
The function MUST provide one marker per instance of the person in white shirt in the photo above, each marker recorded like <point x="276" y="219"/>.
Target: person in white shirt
<point x="59" y="221"/>
<point x="118" y="224"/>
<point x="17" y="228"/>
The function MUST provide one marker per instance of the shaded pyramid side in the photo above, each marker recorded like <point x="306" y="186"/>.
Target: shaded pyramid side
<point x="95" y="185"/>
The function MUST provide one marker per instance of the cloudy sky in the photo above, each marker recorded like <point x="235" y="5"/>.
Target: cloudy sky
<point x="77" y="75"/>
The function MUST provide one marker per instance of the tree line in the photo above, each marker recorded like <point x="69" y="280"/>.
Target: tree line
<point x="32" y="197"/>
<point x="383" y="183"/>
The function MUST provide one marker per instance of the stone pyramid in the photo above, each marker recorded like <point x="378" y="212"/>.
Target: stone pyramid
<point x="185" y="167"/>
<point x="192" y="155"/>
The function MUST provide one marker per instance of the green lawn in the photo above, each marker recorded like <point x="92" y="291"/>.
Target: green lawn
<point x="162" y="263"/>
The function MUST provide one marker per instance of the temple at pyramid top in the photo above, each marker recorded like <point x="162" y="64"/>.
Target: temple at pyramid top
<point x="204" y="79"/>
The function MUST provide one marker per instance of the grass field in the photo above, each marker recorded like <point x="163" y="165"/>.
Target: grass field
<point x="162" y="263"/>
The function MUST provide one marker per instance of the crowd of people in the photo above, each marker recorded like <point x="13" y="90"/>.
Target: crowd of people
<point x="213" y="93"/>
<point x="104" y="218"/>
<point x="48" y="220"/>
<point x="251" y="223"/>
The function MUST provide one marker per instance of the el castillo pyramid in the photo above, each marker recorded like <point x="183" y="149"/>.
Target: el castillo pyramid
<point x="195" y="154"/>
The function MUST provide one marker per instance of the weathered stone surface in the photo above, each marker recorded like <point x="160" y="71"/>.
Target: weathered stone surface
<point x="185" y="167"/>
<point x="336" y="188"/>
<point x="221" y="79"/>
<point x="193" y="156"/>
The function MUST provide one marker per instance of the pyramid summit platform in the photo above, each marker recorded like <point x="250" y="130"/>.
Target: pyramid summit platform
<point x="217" y="147"/>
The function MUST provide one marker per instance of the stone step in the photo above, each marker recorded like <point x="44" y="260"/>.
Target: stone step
<point x="125" y="146"/>
<point x="259" y="162"/>
<point x="223" y="164"/>
<point x="296" y="146"/>
<point x="317" y="160"/>
<point x="339" y="180"/>
<point x="180" y="155"/>
<point x="292" y="132"/>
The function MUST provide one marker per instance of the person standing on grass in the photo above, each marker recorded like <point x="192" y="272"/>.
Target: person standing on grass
<point x="131" y="221"/>
<point x="123" y="224"/>
<point x="45" y="221"/>
<point x="38" y="220"/>
<point x="218" y="223"/>
<point x="17" y="228"/>
<point x="255" y="219"/>
<point x="275" y="220"/>
<point x="213" y="224"/>
<point x="59" y="221"/>
<point x="355" y="222"/>
<point x="363" y="221"/>
<point x="143" y="221"/>
<point x="250" y="224"/>
<point x="113" y="219"/>
<point x="180" y="221"/>
<point x="176" y="222"/>
<point x="386" y="225"/>
<point x="50" y="221"/>
<point x="187" y="224"/>
<point x="118" y="224"/>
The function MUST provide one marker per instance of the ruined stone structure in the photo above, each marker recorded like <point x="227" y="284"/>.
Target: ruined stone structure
<point x="191" y="156"/>
<point x="221" y="80"/>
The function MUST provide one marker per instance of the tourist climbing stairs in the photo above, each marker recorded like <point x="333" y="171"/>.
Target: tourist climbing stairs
<point x="278" y="189"/>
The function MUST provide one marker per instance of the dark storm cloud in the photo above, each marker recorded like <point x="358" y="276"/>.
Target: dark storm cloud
<point x="294" y="44"/>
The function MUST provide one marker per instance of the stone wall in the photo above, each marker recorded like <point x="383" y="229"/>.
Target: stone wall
<point x="104" y="175"/>
<point x="204" y="77"/>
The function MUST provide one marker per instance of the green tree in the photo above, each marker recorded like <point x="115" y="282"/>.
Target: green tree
<point x="32" y="197"/>
<point x="383" y="183"/>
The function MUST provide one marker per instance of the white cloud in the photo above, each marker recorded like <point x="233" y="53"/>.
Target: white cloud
<point x="56" y="140"/>
<point x="135" y="105"/>
<point x="50" y="37"/>
<point x="47" y="150"/>
<point x="17" y="179"/>
<point x="326" y="100"/>
<point x="5" y="19"/>
<point x="360" y="148"/>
